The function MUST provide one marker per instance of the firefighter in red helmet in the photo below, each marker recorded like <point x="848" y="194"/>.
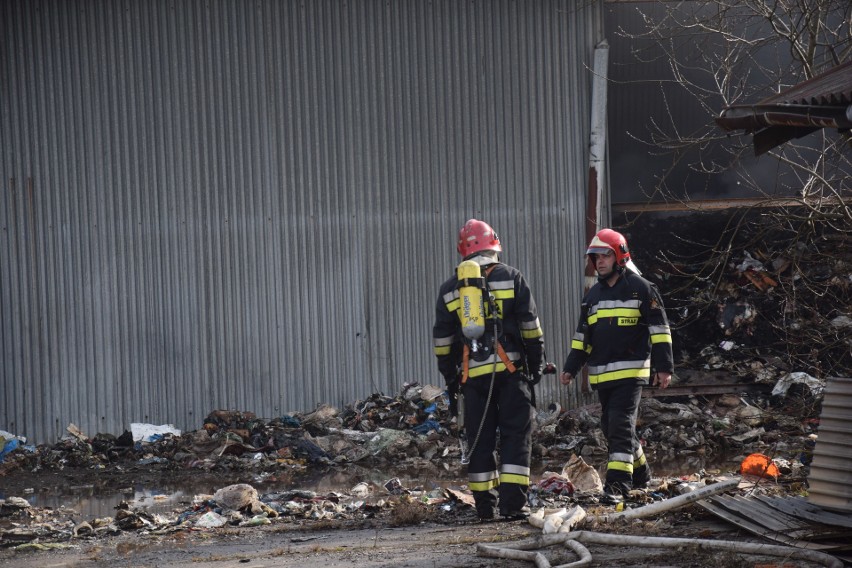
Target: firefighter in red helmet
<point x="490" y="348"/>
<point x="623" y="337"/>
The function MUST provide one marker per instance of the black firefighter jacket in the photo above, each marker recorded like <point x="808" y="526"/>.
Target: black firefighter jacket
<point x="623" y="333"/>
<point x="519" y="329"/>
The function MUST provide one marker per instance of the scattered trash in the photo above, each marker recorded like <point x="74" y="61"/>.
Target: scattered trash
<point x="237" y="497"/>
<point x="815" y="385"/>
<point x="759" y="465"/>
<point x="256" y="521"/>
<point x="581" y="475"/>
<point x="555" y="484"/>
<point x="8" y="447"/>
<point x="74" y="430"/>
<point x="210" y="520"/>
<point x="394" y="486"/>
<point x="6" y="436"/>
<point x="151" y="433"/>
<point x="735" y="315"/>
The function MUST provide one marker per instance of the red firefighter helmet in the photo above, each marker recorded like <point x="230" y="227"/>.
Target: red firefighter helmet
<point x="477" y="236"/>
<point x="609" y="240"/>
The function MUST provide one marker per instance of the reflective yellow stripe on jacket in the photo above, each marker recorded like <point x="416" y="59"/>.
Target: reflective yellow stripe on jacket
<point x="479" y="368"/>
<point x="660" y="333"/>
<point x="531" y="329"/>
<point x="620" y="370"/>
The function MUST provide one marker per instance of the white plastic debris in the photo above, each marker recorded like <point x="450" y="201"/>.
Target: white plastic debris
<point x="150" y="432"/>
<point x="9" y="436"/>
<point x="750" y="263"/>
<point x="210" y="520"/>
<point x="430" y="392"/>
<point x="784" y="383"/>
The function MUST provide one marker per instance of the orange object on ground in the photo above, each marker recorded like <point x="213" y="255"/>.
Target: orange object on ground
<point x="759" y="465"/>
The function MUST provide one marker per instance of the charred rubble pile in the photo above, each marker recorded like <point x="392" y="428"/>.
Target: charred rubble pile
<point x="756" y="294"/>
<point x="413" y="431"/>
<point x="412" y="426"/>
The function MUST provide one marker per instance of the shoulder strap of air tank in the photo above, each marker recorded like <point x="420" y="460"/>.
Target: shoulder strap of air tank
<point x="500" y="351"/>
<point x="465" y="364"/>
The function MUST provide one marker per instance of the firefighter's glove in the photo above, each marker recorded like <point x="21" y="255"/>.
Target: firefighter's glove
<point x="452" y="392"/>
<point x="542" y="369"/>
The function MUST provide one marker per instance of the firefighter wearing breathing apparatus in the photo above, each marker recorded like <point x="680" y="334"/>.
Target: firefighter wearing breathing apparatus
<point x="623" y="336"/>
<point x="490" y="350"/>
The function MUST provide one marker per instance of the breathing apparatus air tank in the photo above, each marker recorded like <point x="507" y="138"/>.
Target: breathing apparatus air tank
<point x="472" y="312"/>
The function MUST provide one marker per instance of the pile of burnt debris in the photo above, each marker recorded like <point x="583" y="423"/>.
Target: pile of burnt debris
<point x="412" y="430"/>
<point x="415" y="431"/>
<point x="751" y="301"/>
<point x="758" y="294"/>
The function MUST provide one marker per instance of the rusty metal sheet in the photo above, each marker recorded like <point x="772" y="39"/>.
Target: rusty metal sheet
<point x="755" y="528"/>
<point x="771" y="520"/>
<point x="768" y="518"/>
<point x="800" y="507"/>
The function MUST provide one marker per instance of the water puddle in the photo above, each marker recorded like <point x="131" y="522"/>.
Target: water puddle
<point x="179" y="491"/>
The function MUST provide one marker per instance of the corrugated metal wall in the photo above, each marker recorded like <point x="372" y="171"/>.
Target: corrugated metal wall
<point x="251" y="205"/>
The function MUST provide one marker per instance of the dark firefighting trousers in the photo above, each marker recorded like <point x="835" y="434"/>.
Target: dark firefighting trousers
<point x="626" y="466"/>
<point x="510" y="412"/>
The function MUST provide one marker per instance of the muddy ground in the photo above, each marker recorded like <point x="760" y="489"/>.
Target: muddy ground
<point x="404" y="534"/>
<point x="427" y="545"/>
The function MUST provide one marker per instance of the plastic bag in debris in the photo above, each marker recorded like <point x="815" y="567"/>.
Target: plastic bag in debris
<point x="394" y="486"/>
<point x="427" y="426"/>
<point x="298" y="445"/>
<point x="389" y="441"/>
<point x="256" y="521"/>
<point x="431" y="392"/>
<point x="210" y="520"/>
<point x="150" y="432"/>
<point x="734" y="315"/>
<point x="290" y="421"/>
<point x="4" y="435"/>
<point x="750" y="263"/>
<point x="784" y="383"/>
<point x="583" y="476"/>
<point x="8" y="448"/>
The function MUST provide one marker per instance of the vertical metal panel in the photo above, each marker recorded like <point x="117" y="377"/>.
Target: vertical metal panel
<point x="251" y="205"/>
<point x="830" y="480"/>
